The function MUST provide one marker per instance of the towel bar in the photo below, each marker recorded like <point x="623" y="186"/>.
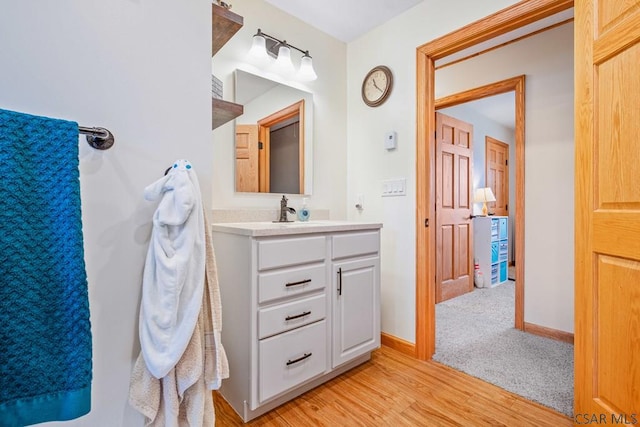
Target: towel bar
<point x="97" y="137"/>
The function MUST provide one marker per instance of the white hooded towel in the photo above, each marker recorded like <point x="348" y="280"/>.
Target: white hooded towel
<point x="172" y="284"/>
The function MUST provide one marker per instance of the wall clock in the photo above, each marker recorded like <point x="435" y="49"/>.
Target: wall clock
<point x="376" y="86"/>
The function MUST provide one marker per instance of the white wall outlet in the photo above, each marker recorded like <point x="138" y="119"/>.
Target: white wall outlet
<point x="391" y="140"/>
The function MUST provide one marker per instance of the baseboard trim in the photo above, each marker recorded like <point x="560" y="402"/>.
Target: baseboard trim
<point x="404" y="347"/>
<point x="543" y="331"/>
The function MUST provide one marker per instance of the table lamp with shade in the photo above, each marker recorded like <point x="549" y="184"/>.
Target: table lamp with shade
<point x="484" y="195"/>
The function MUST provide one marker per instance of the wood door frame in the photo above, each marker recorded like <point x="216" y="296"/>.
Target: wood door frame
<point x="501" y="22"/>
<point x="489" y="139"/>
<point x="264" y="132"/>
<point x="517" y="85"/>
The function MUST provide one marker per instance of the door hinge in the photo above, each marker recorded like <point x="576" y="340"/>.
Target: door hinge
<point x="426" y="222"/>
<point x="260" y="146"/>
<point x="506" y="207"/>
<point x="506" y="162"/>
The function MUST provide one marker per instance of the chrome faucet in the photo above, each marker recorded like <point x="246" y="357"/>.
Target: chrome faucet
<point x="284" y="209"/>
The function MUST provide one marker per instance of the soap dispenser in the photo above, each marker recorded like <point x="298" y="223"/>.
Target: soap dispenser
<point x="303" y="212"/>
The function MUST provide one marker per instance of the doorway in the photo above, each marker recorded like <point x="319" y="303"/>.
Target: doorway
<point x="270" y="153"/>
<point x="517" y="86"/>
<point x="497" y="174"/>
<point x="281" y="154"/>
<point x="502" y="22"/>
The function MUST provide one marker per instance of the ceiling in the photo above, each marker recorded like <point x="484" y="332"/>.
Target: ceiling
<point x="345" y="20"/>
<point x="500" y="109"/>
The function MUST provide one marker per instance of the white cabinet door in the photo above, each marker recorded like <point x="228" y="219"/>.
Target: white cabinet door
<point x="356" y="308"/>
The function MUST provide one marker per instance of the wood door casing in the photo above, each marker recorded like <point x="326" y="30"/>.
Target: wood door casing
<point x="502" y="22"/>
<point x="497" y="174"/>
<point x="607" y="210"/>
<point x="454" y="239"/>
<point x="246" y="158"/>
<point x="264" y="125"/>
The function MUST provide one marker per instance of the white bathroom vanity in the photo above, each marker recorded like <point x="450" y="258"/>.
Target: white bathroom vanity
<point x="300" y="304"/>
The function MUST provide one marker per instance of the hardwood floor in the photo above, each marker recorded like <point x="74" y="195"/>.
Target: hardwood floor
<point x="397" y="390"/>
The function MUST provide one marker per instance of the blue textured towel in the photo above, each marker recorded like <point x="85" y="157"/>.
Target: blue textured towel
<point x="45" y="334"/>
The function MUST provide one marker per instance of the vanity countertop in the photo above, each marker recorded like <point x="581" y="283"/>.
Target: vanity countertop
<point x="267" y="228"/>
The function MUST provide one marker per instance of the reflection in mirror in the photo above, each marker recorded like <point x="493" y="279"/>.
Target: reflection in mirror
<point x="273" y="137"/>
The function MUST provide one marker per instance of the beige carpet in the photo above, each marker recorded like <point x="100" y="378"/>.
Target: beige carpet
<point x="475" y="334"/>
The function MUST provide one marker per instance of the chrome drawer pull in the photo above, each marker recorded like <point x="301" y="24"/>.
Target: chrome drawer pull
<point x="297" y="316"/>
<point x="301" y="282"/>
<point x="299" y="359"/>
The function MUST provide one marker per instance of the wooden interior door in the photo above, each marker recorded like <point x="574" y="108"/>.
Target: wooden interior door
<point x="247" y="158"/>
<point x="497" y="174"/>
<point x="607" y="263"/>
<point x="454" y="238"/>
<point x="264" y="159"/>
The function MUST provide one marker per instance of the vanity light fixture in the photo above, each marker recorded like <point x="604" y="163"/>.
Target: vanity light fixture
<point x="264" y="46"/>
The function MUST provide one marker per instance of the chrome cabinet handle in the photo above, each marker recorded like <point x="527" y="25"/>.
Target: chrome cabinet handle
<point x="299" y="359"/>
<point x="301" y="282"/>
<point x="297" y="316"/>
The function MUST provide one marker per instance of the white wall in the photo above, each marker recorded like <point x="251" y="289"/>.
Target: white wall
<point x="394" y="44"/>
<point x="547" y="61"/>
<point x="329" y="103"/>
<point x="142" y="70"/>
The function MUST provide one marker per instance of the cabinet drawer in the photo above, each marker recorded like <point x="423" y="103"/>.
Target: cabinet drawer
<point x="292" y="358"/>
<point x="291" y="315"/>
<point x="352" y="244"/>
<point x="290" y="282"/>
<point x="285" y="252"/>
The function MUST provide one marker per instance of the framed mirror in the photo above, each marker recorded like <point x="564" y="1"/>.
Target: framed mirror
<point x="273" y="137"/>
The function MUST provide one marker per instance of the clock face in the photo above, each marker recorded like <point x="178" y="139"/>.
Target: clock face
<point x="376" y="86"/>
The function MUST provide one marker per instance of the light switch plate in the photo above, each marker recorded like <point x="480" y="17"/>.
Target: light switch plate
<point x="394" y="187"/>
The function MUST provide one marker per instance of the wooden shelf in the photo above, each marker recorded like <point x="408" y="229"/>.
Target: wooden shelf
<point x="224" y="111"/>
<point x="225" y="25"/>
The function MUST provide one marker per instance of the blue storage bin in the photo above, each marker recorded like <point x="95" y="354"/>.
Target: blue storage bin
<point x="503" y="250"/>
<point x="503" y="228"/>
<point x="503" y="271"/>
<point x="495" y="251"/>
<point x="494" y="274"/>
